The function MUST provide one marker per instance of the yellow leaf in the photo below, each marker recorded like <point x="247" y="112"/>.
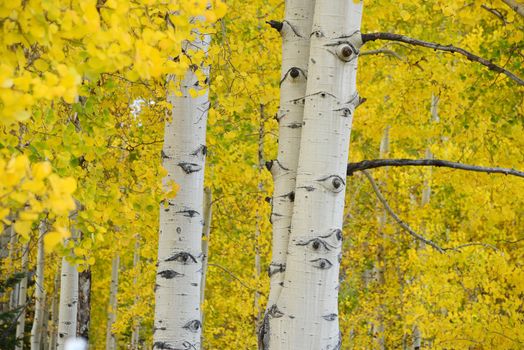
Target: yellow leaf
<point x="23" y="227"/>
<point x="51" y="239"/>
<point x="41" y="170"/>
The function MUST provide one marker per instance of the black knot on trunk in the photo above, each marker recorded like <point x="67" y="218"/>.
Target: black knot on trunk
<point x="276" y="25"/>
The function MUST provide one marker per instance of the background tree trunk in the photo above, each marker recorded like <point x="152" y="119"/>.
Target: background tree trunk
<point x="111" y="316"/>
<point x="306" y="313"/>
<point x="208" y="214"/>
<point x="22" y="298"/>
<point x="84" y="303"/>
<point x="36" y="332"/>
<point x="68" y="307"/>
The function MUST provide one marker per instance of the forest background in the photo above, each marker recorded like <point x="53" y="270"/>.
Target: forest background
<point x="83" y="112"/>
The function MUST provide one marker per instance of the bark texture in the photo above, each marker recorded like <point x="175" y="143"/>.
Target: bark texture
<point x="84" y="304"/>
<point x="22" y="298"/>
<point x="306" y="314"/>
<point x="68" y="306"/>
<point x="111" y="316"/>
<point x="36" y="331"/>
<point x="177" y="310"/>
<point x="208" y="213"/>
<point x="295" y="31"/>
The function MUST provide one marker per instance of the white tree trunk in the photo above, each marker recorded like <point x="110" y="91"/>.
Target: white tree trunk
<point x="36" y="331"/>
<point x="135" y="335"/>
<point x="208" y="213"/>
<point x="306" y="313"/>
<point x="111" y="317"/>
<point x="54" y="313"/>
<point x="68" y="306"/>
<point x="295" y="32"/>
<point x="22" y="298"/>
<point x="177" y="309"/>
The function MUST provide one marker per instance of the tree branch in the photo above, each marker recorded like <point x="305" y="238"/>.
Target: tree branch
<point x="384" y="51"/>
<point x="515" y="6"/>
<point x="397" y="219"/>
<point x="377" y="163"/>
<point x="447" y="48"/>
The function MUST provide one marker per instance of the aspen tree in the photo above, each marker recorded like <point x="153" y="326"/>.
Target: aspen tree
<point x="68" y="306"/>
<point x="208" y="214"/>
<point x="111" y="317"/>
<point x="295" y="31"/>
<point x="306" y="313"/>
<point x="135" y="335"/>
<point x="179" y="273"/>
<point x="36" y="331"/>
<point x="22" y="299"/>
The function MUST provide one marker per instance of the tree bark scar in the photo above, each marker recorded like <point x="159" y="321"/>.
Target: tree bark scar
<point x="188" y="213"/>
<point x="183" y="257"/>
<point x="169" y="274"/>
<point x="189" y="168"/>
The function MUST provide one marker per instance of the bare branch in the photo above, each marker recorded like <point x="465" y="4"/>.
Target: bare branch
<point x="515" y="6"/>
<point x="384" y="51"/>
<point x="235" y="277"/>
<point x="496" y="13"/>
<point x="397" y="219"/>
<point x="409" y="230"/>
<point x="377" y="163"/>
<point x="447" y="48"/>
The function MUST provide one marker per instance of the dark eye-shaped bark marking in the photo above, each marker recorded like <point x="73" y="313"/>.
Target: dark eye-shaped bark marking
<point x="333" y="183"/>
<point x="202" y="149"/>
<point x="335" y="233"/>
<point x="275" y="268"/>
<point x="169" y="274"/>
<point x="308" y="188"/>
<point x="188" y="213"/>
<point x="346" y="52"/>
<point x="321" y="263"/>
<point x="317" y="244"/>
<point x="293" y="73"/>
<point x="275" y="312"/>
<point x="161" y="345"/>
<point x="330" y="317"/>
<point x="193" y="326"/>
<point x="346" y="112"/>
<point x="183" y="257"/>
<point x="189" y="168"/>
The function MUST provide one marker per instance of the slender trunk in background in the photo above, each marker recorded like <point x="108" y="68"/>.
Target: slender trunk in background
<point x="36" y="331"/>
<point x="208" y="213"/>
<point x="179" y="274"/>
<point x="45" y="327"/>
<point x="426" y="196"/>
<point x="84" y="304"/>
<point x="68" y="306"/>
<point x="260" y="188"/>
<point x="5" y="238"/>
<point x="22" y="298"/>
<point x="295" y="31"/>
<point x="13" y="300"/>
<point x="53" y="331"/>
<point x="111" y="316"/>
<point x="135" y="336"/>
<point x="306" y="313"/>
<point x="380" y="265"/>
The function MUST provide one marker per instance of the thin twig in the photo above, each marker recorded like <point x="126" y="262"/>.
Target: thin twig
<point x="235" y="277"/>
<point x="396" y="217"/>
<point x="384" y="51"/>
<point x="447" y="48"/>
<point x="377" y="163"/>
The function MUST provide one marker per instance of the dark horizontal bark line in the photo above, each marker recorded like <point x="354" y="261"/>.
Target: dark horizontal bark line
<point x="378" y="163"/>
<point x="447" y="48"/>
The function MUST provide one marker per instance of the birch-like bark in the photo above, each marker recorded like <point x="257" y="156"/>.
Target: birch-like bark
<point x="135" y="335"/>
<point x="68" y="306"/>
<point x="306" y="314"/>
<point x="177" y="309"/>
<point x="22" y="299"/>
<point x="515" y="6"/>
<point x="53" y="331"/>
<point x="36" y="331"/>
<point x="111" y="316"/>
<point x="208" y="212"/>
<point x="295" y="31"/>
<point x="13" y="300"/>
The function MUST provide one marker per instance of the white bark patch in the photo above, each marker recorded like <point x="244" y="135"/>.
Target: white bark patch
<point x="67" y="312"/>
